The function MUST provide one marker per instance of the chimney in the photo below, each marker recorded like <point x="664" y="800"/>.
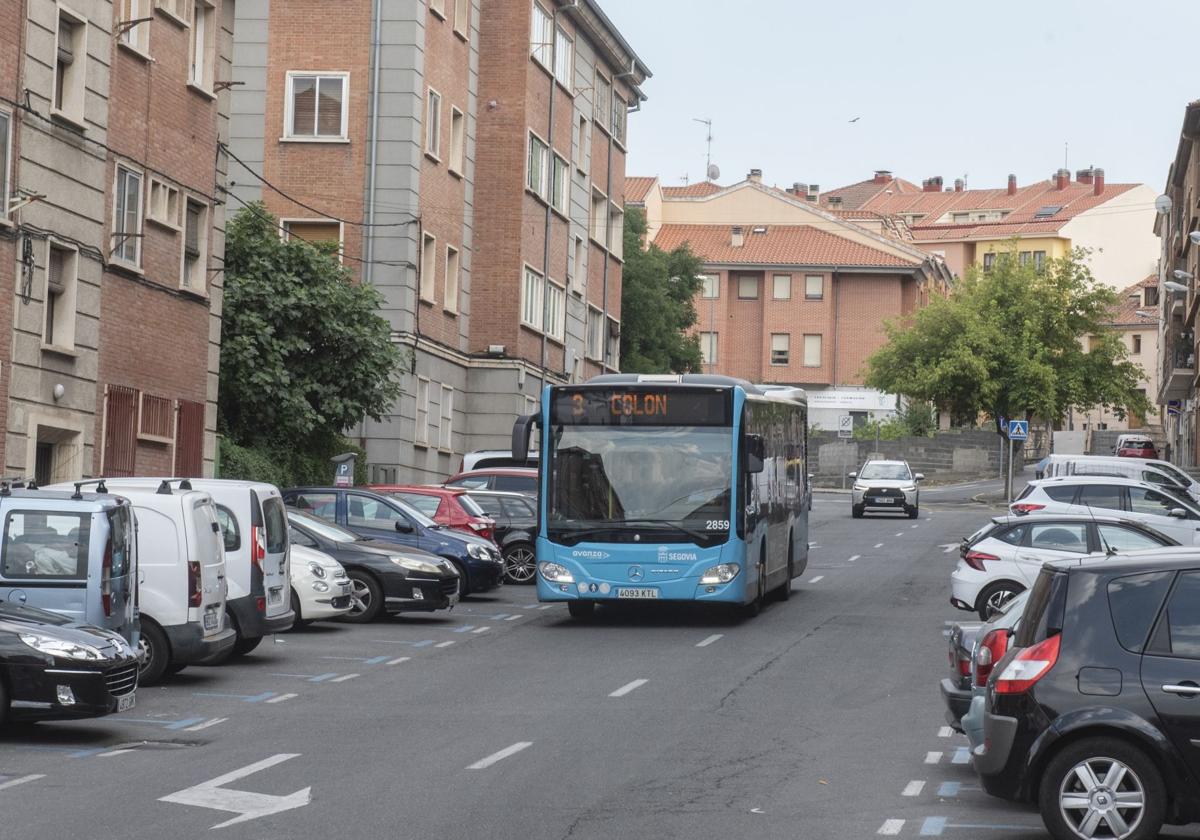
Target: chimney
<point x="835" y="202"/>
<point x="882" y="176"/>
<point x="1085" y="176"/>
<point x="797" y="188"/>
<point x="959" y="183"/>
<point x="1062" y="178"/>
<point x="755" y="176"/>
<point x="736" y="239"/>
<point x="933" y="184"/>
<point x="1098" y="182"/>
<point x="814" y="192"/>
<point x="1012" y="184"/>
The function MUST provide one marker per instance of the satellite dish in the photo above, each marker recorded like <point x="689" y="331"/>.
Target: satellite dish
<point x="714" y="172"/>
<point x="1163" y="204"/>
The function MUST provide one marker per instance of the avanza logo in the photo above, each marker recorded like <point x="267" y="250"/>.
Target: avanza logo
<point x="590" y="554"/>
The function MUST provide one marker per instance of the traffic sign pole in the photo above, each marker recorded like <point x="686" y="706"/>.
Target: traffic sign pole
<point x="1009" y="487"/>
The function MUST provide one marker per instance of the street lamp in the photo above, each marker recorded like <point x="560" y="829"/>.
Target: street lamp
<point x="1195" y="237"/>
<point x="1177" y="287"/>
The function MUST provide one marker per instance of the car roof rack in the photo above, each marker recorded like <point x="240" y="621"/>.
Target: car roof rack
<point x="99" y="482"/>
<point x="164" y="486"/>
<point x="7" y="485"/>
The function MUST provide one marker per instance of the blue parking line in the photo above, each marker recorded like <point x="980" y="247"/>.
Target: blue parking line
<point x="423" y="643"/>
<point x="249" y="698"/>
<point x="933" y="826"/>
<point x="375" y="660"/>
<point x="949" y="789"/>
<point x="323" y="677"/>
<point x="962" y="755"/>
<point x="466" y="628"/>
<point x="169" y="724"/>
<point x="500" y="617"/>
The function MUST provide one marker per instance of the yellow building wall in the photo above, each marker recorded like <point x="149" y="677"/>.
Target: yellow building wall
<point x="1054" y="247"/>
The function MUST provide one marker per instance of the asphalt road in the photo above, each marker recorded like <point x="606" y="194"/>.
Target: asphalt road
<point x="505" y="719"/>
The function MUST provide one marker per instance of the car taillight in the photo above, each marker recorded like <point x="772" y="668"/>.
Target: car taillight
<point x="964" y="666"/>
<point x="1029" y="666"/>
<point x="258" y="547"/>
<point x="1025" y="507"/>
<point x="975" y="559"/>
<point x="106" y="598"/>
<point x="194" y="592"/>
<point x="260" y="604"/>
<point x="991" y="650"/>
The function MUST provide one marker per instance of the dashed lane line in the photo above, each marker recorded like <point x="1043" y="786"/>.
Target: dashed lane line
<point x="484" y="763"/>
<point x="205" y="725"/>
<point x="709" y="640"/>
<point x="444" y="644"/>
<point x="12" y="783"/>
<point x="513" y="617"/>
<point x="817" y="579"/>
<point x="913" y="788"/>
<point x="398" y="660"/>
<point x="478" y="630"/>
<point x="344" y="678"/>
<point x="879" y="545"/>
<point x="891" y="827"/>
<point x="282" y="697"/>
<point x="945" y="732"/>
<point x="855" y="557"/>
<point x="933" y="757"/>
<point x="628" y="687"/>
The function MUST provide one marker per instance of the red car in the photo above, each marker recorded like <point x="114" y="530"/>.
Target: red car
<point x="1135" y="446"/>
<point x="449" y="506"/>
<point x="509" y="479"/>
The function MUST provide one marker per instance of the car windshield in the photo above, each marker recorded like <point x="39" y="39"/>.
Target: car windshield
<point x="886" y="472"/>
<point x="414" y="514"/>
<point x="321" y="526"/>
<point x="470" y="505"/>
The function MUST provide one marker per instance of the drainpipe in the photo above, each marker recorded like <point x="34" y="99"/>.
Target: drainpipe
<point x="368" y="264"/>
<point x="833" y="380"/>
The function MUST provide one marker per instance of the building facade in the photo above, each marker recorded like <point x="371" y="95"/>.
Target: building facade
<point x="110" y="118"/>
<point x="1135" y="319"/>
<point x="468" y="157"/>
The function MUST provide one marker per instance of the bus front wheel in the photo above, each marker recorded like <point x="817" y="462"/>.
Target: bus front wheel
<point x="755" y="607"/>
<point x="581" y="609"/>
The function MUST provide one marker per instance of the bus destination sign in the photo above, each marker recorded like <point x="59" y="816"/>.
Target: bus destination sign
<point x="641" y="407"/>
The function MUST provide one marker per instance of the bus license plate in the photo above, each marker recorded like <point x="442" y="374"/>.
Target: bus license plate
<point x="124" y="704"/>
<point x="638" y="594"/>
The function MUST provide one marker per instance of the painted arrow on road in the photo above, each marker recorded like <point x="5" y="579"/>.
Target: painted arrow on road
<point x="246" y="804"/>
<point x="948" y="547"/>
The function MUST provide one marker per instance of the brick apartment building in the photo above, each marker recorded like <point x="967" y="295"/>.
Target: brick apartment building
<point x="110" y="115"/>
<point x="422" y="141"/>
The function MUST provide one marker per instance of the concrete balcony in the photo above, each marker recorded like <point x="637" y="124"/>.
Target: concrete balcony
<point x="1179" y="367"/>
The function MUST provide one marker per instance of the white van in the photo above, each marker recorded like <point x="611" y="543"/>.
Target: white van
<point x="254" y="527"/>
<point x="1147" y="470"/>
<point x="181" y="595"/>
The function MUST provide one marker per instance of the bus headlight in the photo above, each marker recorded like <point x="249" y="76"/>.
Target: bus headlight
<point x="722" y="573"/>
<point x="555" y="573"/>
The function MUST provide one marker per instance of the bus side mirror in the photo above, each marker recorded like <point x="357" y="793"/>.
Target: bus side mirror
<point x="754" y="453"/>
<point x="522" y="429"/>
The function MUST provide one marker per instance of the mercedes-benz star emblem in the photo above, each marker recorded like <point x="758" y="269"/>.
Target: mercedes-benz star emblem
<point x="636" y="573"/>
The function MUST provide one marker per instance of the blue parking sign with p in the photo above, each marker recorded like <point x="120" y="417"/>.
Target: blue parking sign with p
<point x="1018" y="429"/>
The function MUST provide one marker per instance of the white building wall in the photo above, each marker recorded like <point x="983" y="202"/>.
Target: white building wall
<point x="1120" y="233"/>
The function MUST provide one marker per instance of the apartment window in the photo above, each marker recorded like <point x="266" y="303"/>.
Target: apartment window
<point x="960" y="218"/>
<point x="612" y="349"/>
<point x="317" y="106"/>
<point x="747" y="287"/>
<point x="595" y="334"/>
<point x="433" y="124"/>
<point x="428" y="267"/>
<point x="1023" y="258"/>
<point x="556" y="311"/>
<point x="195" y="246"/>
<point x="564" y="58"/>
<point x="581" y="144"/>
<point x="781" y="287"/>
<point x="162" y="205"/>
<point x="70" y="66"/>
<point x="578" y="266"/>
<point x="462" y="18"/>
<point x="1137" y="344"/>
<point x="618" y="119"/>
<point x="127" y="217"/>
<point x="710" y="286"/>
<point x="616" y="231"/>
<point x="535" y="169"/>
<point x="5" y="161"/>
<point x="814" y="286"/>
<point x="319" y="233"/>
<point x="779" y="348"/>
<point x="204" y="45"/>
<point x="1039" y="260"/>
<point x="708" y="348"/>
<point x="531" y="299"/>
<point x="421" y="432"/>
<point x="560" y="185"/>
<point x="989" y="260"/>
<point x="458" y="140"/>
<point x="541" y="39"/>
<point x="812" y="351"/>
<point x="181" y="10"/>
<point x="62" y="275"/>
<point x="135" y="35"/>
<point x="602" y="102"/>
<point x="1149" y="294"/>
<point x="438" y="7"/>
<point x="446" y="427"/>
<point x="452" y="270"/>
<point x="599" y="218"/>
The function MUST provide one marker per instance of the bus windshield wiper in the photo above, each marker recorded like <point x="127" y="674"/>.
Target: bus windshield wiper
<point x="627" y="525"/>
<point x="666" y="524"/>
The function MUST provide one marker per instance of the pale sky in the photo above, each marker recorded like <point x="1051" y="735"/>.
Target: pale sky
<point x="940" y="87"/>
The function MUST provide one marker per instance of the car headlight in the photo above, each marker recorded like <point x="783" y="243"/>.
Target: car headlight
<point x="721" y="573"/>
<point x="479" y="552"/>
<point x="414" y="565"/>
<point x="58" y="647"/>
<point x="860" y="487"/>
<point x="317" y="570"/>
<point x="912" y="489"/>
<point x="555" y="573"/>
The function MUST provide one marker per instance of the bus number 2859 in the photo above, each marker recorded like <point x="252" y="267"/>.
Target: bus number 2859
<point x="717" y="525"/>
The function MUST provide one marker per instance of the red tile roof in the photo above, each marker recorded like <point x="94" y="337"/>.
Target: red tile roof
<point x="857" y="196"/>
<point x="637" y="188"/>
<point x="698" y="190"/>
<point x="1130" y="301"/>
<point x="780" y="245"/>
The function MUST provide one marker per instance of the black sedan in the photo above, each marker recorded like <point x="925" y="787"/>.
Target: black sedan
<point x="516" y="528"/>
<point x="383" y="576"/>
<point x="52" y="668"/>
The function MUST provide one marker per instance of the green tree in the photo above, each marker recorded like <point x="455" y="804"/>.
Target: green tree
<point x="1014" y="341"/>
<point x="658" y="290"/>
<point x="304" y="352"/>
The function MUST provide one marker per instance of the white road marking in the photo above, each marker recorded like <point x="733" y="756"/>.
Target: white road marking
<point x="444" y="644"/>
<point x="628" y="687"/>
<point x="513" y="617"/>
<point x="14" y="782"/>
<point x="948" y="547"/>
<point x="899" y="533"/>
<point x="343" y="678"/>
<point x="933" y="757"/>
<point x="480" y="630"/>
<point x="398" y="660"/>
<point x="113" y="752"/>
<point x="500" y="756"/>
<point x="913" y="788"/>
<point x="545" y="606"/>
<point x="282" y="697"/>
<point x="246" y="804"/>
<point x="817" y="579"/>
<point x="855" y="557"/>
<point x="945" y="732"/>
<point x="879" y="545"/>
<point x="710" y="640"/>
<point x="891" y="827"/>
<point x="205" y="725"/>
<point x="914" y="526"/>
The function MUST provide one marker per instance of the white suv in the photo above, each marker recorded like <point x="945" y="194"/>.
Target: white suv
<point x="885" y="485"/>
<point x="1169" y="512"/>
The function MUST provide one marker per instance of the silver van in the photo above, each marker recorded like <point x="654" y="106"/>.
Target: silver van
<point x="1140" y="469"/>
<point x="71" y="553"/>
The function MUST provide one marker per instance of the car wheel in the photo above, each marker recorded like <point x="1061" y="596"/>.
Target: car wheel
<point x="785" y="591"/>
<point x="520" y="563"/>
<point x="297" y="621"/>
<point x="914" y="512"/>
<point x="994" y="596"/>
<point x="464" y="582"/>
<point x="3" y="701"/>
<point x="1102" y="788"/>
<point x="245" y="644"/>
<point x="156" y="654"/>
<point x="366" y="598"/>
<point x="581" y="609"/>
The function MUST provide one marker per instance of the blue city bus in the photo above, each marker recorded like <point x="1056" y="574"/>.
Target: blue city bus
<point x="669" y="488"/>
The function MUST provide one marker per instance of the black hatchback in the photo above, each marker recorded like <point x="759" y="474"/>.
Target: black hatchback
<point x="1094" y="713"/>
<point x="515" y="516"/>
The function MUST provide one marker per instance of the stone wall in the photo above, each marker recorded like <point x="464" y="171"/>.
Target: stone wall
<point x="946" y="455"/>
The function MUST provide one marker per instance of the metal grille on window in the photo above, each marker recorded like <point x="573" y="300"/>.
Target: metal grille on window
<point x="156" y="419"/>
<point x="120" y="431"/>
<point x="189" y="440"/>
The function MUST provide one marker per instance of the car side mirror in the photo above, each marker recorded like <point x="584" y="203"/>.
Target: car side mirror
<point x="1178" y="513"/>
<point x="404" y="527"/>
<point x="852" y="475"/>
<point x="919" y="476"/>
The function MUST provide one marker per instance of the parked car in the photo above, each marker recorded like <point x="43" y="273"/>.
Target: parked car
<point x="384" y="576"/>
<point x="1156" y="507"/>
<point x="885" y="485"/>
<point x="181" y="596"/>
<point x="966" y="679"/>
<point x="449" y="506"/>
<point x="515" y="515"/>
<point x="53" y="668"/>
<point x="1148" y="470"/>
<point x="1135" y="446"/>
<point x="1092" y="714"/>
<point x="486" y="458"/>
<point x="254" y="530"/>
<point x="71" y="553"/>
<point x="510" y="479"/>
<point x="1005" y="556"/>
<point x="320" y="587"/>
<point x="387" y="519"/>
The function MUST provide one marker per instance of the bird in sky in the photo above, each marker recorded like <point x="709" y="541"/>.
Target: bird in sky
<point x="856" y="119"/>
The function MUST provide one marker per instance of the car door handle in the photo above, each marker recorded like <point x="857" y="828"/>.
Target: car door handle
<point x="1185" y="690"/>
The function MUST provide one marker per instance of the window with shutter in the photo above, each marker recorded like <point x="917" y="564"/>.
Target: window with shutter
<point x="195" y="247"/>
<point x="5" y="160"/>
<point x="192" y="241"/>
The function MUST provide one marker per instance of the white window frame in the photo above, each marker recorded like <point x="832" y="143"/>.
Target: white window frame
<point x="451" y="280"/>
<point x="456" y="165"/>
<point x="286" y="234"/>
<point x="69" y="300"/>
<point x="601" y="83"/>
<point x="616" y="231"/>
<point x="135" y="38"/>
<point x="289" y="107"/>
<point x="560" y="187"/>
<point x="180" y="11"/>
<point x="136" y="238"/>
<point x="462" y="19"/>
<point x="74" y="99"/>
<point x="710" y="280"/>
<point x="202" y="259"/>
<point x="446" y="420"/>
<point x="820" y="349"/>
<point x="541" y="51"/>
<point x="598" y="219"/>
<point x="428" y="285"/>
<point x="204" y="24"/>
<point x="421" y="413"/>
<point x="533" y="292"/>
<point x="438" y="7"/>
<point x="578" y="273"/>
<point x="594" y="341"/>
<point x="612" y="344"/>
<point x="556" y="311"/>
<point x="541" y="189"/>
<point x="6" y="167"/>
<point x="786" y="349"/>
<point x="748" y="278"/>
<point x="564" y="59"/>
<point x="808" y="279"/>
<point x="582" y="143"/>
<point x="433" y="124"/>
<point x="619" y="116"/>
<point x="709" y="344"/>
<point x="157" y="187"/>
<point x="775" y="281"/>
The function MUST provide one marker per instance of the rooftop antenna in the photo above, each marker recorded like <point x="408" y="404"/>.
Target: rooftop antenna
<point x="1066" y="155"/>
<point x="707" y="123"/>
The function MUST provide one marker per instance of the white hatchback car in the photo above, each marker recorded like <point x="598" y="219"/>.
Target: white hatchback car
<point x="320" y="586"/>
<point x="1005" y="556"/>
<point x="1166" y="511"/>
